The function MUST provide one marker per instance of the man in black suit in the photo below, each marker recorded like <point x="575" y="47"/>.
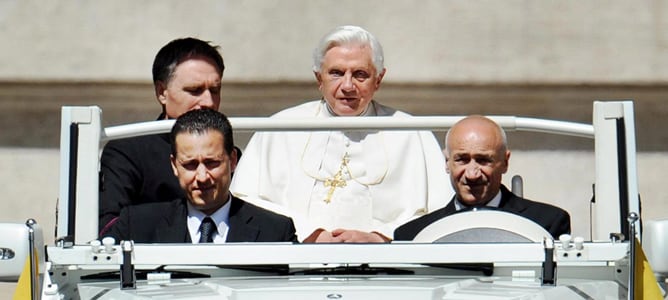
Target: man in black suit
<point x="203" y="159"/>
<point x="477" y="156"/>
<point x="187" y="75"/>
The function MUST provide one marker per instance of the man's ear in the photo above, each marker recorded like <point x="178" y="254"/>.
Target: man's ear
<point x="233" y="160"/>
<point x="173" y="160"/>
<point x="161" y="92"/>
<point x="445" y="154"/>
<point x="318" y="79"/>
<point x="379" y="79"/>
<point x="506" y="161"/>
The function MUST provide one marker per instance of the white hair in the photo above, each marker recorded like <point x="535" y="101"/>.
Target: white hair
<point x="345" y="35"/>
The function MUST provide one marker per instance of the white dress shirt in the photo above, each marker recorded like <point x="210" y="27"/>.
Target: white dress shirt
<point x="495" y="202"/>
<point x="221" y="218"/>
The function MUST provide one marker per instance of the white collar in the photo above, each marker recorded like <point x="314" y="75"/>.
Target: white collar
<point x="221" y="218"/>
<point x="369" y="111"/>
<point x="495" y="202"/>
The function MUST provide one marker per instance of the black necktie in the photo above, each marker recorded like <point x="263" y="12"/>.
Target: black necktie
<point x="206" y="229"/>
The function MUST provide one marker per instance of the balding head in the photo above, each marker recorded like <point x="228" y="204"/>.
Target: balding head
<point x="477" y="156"/>
<point x="477" y="124"/>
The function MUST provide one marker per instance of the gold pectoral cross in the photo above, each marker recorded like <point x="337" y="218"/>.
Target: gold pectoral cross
<point x="337" y="180"/>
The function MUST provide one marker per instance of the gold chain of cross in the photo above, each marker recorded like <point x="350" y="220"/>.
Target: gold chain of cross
<point x="336" y="181"/>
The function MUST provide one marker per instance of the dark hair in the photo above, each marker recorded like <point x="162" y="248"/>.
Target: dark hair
<point x="200" y="121"/>
<point x="179" y="50"/>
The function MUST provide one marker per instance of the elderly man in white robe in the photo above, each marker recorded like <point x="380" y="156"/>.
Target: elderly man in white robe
<point x="345" y="186"/>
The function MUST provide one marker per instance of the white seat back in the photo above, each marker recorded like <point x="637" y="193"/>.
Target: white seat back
<point x="482" y="226"/>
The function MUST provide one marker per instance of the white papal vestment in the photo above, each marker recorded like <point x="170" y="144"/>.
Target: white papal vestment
<point x="390" y="177"/>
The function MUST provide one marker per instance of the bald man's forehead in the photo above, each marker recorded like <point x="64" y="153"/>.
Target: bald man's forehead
<point x="472" y="137"/>
<point x="475" y="134"/>
<point x="477" y="122"/>
<point x="469" y="127"/>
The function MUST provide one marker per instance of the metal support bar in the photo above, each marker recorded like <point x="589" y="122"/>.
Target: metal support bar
<point x="616" y="187"/>
<point x="241" y="124"/>
<point x="33" y="272"/>
<point x="68" y="239"/>
<point x="77" y="208"/>
<point x="632" y="218"/>
<point x="622" y="175"/>
<point x="128" y="276"/>
<point x="549" y="265"/>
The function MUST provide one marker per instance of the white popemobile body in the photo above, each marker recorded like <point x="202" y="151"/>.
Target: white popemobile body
<point x="503" y="257"/>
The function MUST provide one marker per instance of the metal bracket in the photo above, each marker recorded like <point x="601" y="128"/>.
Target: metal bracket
<point x="549" y="268"/>
<point x="128" y="276"/>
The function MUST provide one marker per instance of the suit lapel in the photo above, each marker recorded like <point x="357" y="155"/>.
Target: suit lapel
<point x="438" y="214"/>
<point x="241" y="229"/>
<point x="173" y="228"/>
<point x="449" y="208"/>
<point x="511" y="202"/>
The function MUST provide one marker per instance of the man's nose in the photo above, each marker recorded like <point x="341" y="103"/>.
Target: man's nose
<point x="201" y="174"/>
<point x="206" y="99"/>
<point x="347" y="84"/>
<point x="473" y="171"/>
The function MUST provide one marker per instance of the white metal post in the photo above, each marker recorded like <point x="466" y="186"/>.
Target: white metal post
<point x="87" y="122"/>
<point x="607" y="188"/>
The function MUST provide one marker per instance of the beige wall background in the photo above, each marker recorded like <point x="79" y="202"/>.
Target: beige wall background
<point x="480" y="41"/>
<point x="471" y="43"/>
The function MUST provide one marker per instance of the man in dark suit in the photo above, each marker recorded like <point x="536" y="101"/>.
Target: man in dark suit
<point x="477" y="156"/>
<point x="203" y="159"/>
<point x="187" y="75"/>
